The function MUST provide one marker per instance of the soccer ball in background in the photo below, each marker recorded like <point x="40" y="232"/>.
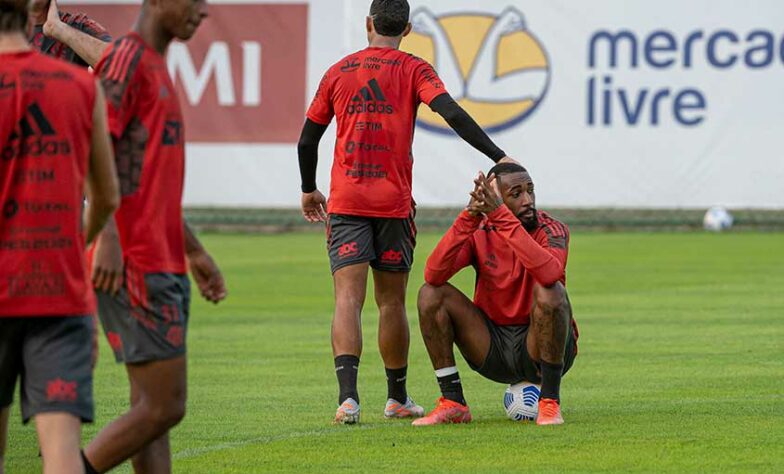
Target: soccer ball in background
<point x="521" y="401"/>
<point x="717" y="219"/>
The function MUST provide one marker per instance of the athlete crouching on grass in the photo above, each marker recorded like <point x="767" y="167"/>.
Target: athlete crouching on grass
<point x="519" y="325"/>
<point x="374" y="94"/>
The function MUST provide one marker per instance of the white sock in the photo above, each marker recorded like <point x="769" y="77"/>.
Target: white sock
<point x="446" y="371"/>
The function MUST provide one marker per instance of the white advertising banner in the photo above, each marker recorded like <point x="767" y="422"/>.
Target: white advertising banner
<point x="608" y="103"/>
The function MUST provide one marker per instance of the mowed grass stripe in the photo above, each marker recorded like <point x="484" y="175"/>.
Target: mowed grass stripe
<point x="680" y="368"/>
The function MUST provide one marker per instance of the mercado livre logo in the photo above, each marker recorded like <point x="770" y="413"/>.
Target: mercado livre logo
<point x="492" y="65"/>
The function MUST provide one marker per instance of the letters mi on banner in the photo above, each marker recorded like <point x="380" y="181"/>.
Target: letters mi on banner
<point x="242" y="77"/>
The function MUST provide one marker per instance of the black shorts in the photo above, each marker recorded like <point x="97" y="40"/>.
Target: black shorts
<point x="388" y="244"/>
<point x="53" y="356"/>
<point x="148" y="318"/>
<point x="508" y="360"/>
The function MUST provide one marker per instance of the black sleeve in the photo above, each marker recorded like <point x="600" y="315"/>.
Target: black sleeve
<point x="307" y="149"/>
<point x="462" y="123"/>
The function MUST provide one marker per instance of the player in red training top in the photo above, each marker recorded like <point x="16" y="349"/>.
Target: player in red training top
<point x="146" y="319"/>
<point x="374" y="94"/>
<point x="53" y="138"/>
<point x="71" y="37"/>
<point x="519" y="255"/>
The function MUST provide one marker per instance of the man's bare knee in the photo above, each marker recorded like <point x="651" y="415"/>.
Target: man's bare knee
<point x="165" y="415"/>
<point x="550" y="299"/>
<point x="430" y="299"/>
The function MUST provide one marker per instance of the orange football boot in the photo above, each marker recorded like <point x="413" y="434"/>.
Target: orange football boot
<point x="549" y="412"/>
<point x="446" y="411"/>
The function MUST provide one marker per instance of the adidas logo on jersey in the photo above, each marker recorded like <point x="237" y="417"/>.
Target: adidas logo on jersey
<point x="370" y="100"/>
<point x="34" y="136"/>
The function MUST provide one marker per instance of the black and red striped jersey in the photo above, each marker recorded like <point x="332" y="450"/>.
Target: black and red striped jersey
<point x="146" y="124"/>
<point x="54" y="48"/>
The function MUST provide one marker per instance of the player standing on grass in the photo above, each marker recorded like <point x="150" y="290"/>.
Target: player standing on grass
<point x="146" y="320"/>
<point x="519" y="325"/>
<point x="53" y="137"/>
<point x="374" y="93"/>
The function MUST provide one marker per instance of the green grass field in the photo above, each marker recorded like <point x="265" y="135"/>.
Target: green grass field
<point x="681" y="368"/>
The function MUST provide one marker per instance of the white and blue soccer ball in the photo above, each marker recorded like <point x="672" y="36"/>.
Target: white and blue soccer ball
<point x="521" y="401"/>
<point x="717" y="219"/>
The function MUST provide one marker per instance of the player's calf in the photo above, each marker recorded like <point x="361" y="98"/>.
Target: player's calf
<point x="550" y="326"/>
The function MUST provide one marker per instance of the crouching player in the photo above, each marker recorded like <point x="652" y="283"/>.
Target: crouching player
<point x="519" y="326"/>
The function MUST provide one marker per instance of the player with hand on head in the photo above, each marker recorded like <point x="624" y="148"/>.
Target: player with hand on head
<point x="145" y="312"/>
<point x="54" y="139"/>
<point x="519" y="326"/>
<point x="374" y="94"/>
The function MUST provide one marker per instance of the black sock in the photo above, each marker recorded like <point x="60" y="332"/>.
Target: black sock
<point x="396" y="384"/>
<point x="451" y="388"/>
<point x="88" y="468"/>
<point x="346" y="368"/>
<point x="551" y="380"/>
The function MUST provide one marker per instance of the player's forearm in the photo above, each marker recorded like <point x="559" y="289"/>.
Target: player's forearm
<point x="192" y="243"/>
<point x="307" y="151"/>
<point x="88" y="48"/>
<point x="446" y="260"/>
<point x="543" y="265"/>
<point x="466" y="127"/>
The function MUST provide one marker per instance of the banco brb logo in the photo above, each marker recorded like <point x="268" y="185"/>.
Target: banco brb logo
<point x="493" y="66"/>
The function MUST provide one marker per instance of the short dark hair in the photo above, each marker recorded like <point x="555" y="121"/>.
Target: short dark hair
<point x="13" y="15"/>
<point x="506" y="168"/>
<point x="390" y="17"/>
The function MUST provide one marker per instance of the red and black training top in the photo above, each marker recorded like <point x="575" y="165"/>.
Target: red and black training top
<point x="508" y="261"/>
<point x="146" y="123"/>
<point x="374" y="94"/>
<point x="54" y="48"/>
<point x="45" y="135"/>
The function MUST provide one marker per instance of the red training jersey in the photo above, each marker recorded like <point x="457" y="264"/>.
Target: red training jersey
<point x="374" y="93"/>
<point x="146" y="124"/>
<point x="45" y="138"/>
<point x="508" y="260"/>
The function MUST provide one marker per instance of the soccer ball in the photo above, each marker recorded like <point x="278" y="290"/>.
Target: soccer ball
<point x="717" y="219"/>
<point x="521" y="401"/>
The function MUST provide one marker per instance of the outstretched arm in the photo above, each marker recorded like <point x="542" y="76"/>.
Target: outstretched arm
<point x="88" y="47"/>
<point x="466" y="127"/>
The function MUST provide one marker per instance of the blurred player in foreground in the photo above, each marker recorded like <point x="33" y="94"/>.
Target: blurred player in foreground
<point x="145" y="309"/>
<point x="53" y="138"/>
<point x="374" y="94"/>
<point x="519" y="325"/>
